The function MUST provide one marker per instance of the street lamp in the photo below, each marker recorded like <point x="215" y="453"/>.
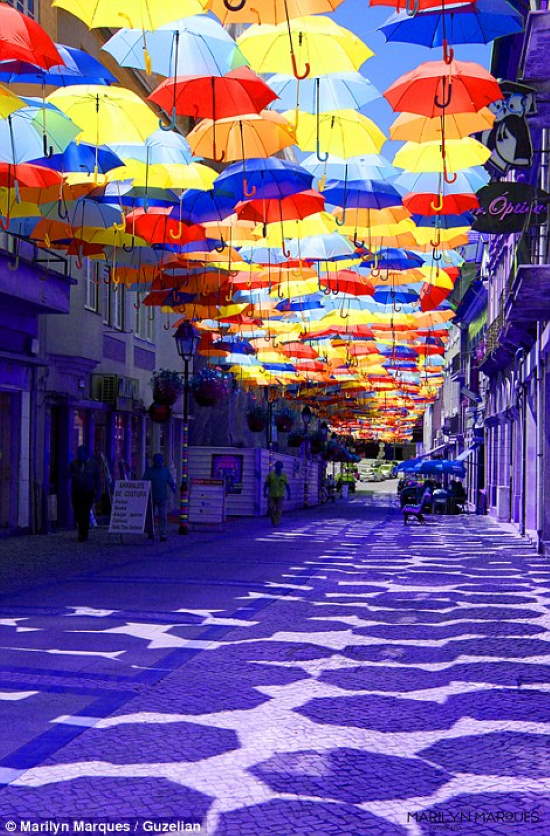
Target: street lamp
<point x="187" y="341"/>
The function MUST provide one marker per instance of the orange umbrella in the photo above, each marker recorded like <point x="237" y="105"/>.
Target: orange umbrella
<point x="254" y="135"/>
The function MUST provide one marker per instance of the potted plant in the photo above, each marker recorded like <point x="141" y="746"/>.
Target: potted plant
<point x="284" y="419"/>
<point x="257" y="418"/>
<point x="167" y="386"/>
<point x="209" y="387"/>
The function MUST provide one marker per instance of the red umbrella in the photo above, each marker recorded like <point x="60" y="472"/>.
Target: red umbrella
<point x="155" y="227"/>
<point x="270" y="210"/>
<point x="22" y="39"/>
<point x="449" y="204"/>
<point x="431" y="296"/>
<point x="346" y="281"/>
<point x="300" y="350"/>
<point x="214" y="97"/>
<point x="435" y="88"/>
<point x="28" y="175"/>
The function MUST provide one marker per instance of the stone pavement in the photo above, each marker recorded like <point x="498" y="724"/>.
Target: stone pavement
<point x="339" y="675"/>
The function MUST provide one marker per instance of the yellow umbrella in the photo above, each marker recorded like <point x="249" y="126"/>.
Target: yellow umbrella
<point x="427" y="156"/>
<point x="411" y="126"/>
<point x="343" y="133"/>
<point x="253" y="135"/>
<point x="165" y="175"/>
<point x="318" y="46"/>
<point x="9" y="102"/>
<point x="106" y="114"/>
<point x="131" y="14"/>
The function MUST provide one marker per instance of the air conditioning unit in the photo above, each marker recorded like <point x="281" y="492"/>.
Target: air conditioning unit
<point x="105" y="387"/>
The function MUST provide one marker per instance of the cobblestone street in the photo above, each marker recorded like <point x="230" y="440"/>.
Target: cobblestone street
<point x="341" y="674"/>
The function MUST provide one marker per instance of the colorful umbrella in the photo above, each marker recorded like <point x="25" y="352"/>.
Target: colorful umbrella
<point x="35" y="130"/>
<point x="270" y="210"/>
<point x="428" y="156"/>
<point x="337" y="91"/>
<point x="263" y="178"/>
<point x="411" y="126"/>
<point x="345" y="133"/>
<point x="139" y="14"/>
<point x="23" y="39"/>
<point x="76" y="67"/>
<point x="255" y="135"/>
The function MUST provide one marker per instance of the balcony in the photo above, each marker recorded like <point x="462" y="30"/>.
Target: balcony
<point x="32" y="280"/>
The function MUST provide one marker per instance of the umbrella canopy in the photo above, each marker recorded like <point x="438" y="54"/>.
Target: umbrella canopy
<point x="293" y="207"/>
<point x="269" y="11"/>
<point x="411" y="126"/>
<point x="427" y="156"/>
<point x="75" y="67"/>
<point x="161" y="147"/>
<point x="23" y="39"/>
<point x="345" y="133"/>
<point x="435" y="86"/>
<point x="263" y="178"/>
<point x="214" y="97"/>
<point x="318" y="46"/>
<point x="141" y="14"/>
<point x="105" y="114"/>
<point x="37" y="129"/>
<point x="336" y="91"/>
<point x="361" y="194"/>
<point x="81" y="157"/>
<point x="475" y="23"/>
<point x="187" y="46"/>
<point x="255" y="135"/>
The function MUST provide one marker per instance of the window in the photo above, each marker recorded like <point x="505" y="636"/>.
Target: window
<point x="92" y="279"/>
<point x="28" y="7"/>
<point x="113" y="305"/>
<point x="145" y="320"/>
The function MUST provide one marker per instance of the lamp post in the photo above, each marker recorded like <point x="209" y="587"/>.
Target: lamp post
<point x="187" y="341"/>
<point x="307" y="415"/>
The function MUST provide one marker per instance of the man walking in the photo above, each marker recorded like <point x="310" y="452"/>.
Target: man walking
<point x="84" y="475"/>
<point x="276" y="484"/>
<point x="161" y="479"/>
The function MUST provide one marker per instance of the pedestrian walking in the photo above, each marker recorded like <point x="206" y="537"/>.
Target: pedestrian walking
<point x="161" y="479"/>
<point x="275" y="487"/>
<point x="84" y="475"/>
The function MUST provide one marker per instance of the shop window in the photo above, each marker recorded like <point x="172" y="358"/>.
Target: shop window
<point x="79" y="430"/>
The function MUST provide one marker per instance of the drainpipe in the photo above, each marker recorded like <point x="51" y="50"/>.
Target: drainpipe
<point x="522" y="389"/>
<point x="539" y="371"/>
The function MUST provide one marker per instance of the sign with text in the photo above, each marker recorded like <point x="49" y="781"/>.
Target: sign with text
<point x="509" y="207"/>
<point x="129" y="507"/>
<point x="207" y="501"/>
<point x="229" y="468"/>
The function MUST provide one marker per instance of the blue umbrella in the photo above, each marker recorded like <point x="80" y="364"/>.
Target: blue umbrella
<point x="79" y="156"/>
<point x="199" y="207"/>
<point x="468" y="181"/>
<point x="361" y="194"/>
<point x="197" y="45"/>
<point x="164" y="147"/>
<point x="124" y="194"/>
<point x="337" y="91"/>
<point x="261" y="178"/>
<point x="444" y="221"/>
<point x="390" y="296"/>
<point x="475" y="23"/>
<point x="368" y="167"/>
<point x="79" y="68"/>
<point x="394" y="259"/>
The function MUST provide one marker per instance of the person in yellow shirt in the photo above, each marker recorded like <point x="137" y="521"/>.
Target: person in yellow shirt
<point x="275" y="487"/>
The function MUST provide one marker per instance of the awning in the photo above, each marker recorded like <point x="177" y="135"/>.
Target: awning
<point x="466" y="453"/>
<point x="433" y="451"/>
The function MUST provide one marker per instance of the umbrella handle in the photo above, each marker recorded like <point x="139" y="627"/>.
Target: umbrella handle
<point x="437" y="207"/>
<point x="172" y="123"/>
<point x="436" y="256"/>
<point x="321" y="157"/>
<point x="448" y="53"/>
<point x="14" y="265"/>
<point x="447" y="90"/>
<point x="166" y="325"/>
<point x="176" y="236"/>
<point x="234" y="8"/>
<point x="222" y="247"/>
<point x="298" y="76"/>
<point x="375" y="272"/>
<point x="358" y="244"/>
<point x="411" y="7"/>
<point x="449" y="178"/>
<point x="286" y="252"/>
<point x="246" y="191"/>
<point x="63" y="215"/>
<point x="341" y="221"/>
<point x="129" y="249"/>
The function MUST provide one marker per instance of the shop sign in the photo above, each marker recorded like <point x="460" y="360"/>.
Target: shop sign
<point x="129" y="506"/>
<point x="509" y="138"/>
<point x="509" y="207"/>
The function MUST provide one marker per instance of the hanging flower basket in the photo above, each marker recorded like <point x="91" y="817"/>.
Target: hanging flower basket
<point x="160" y="413"/>
<point x="284" y="420"/>
<point x="167" y="387"/>
<point x="257" y="419"/>
<point x="210" y="387"/>
<point x="295" y="439"/>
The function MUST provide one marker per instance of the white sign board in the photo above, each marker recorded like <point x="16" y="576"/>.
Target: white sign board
<point x="129" y="507"/>
<point x="207" y="501"/>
